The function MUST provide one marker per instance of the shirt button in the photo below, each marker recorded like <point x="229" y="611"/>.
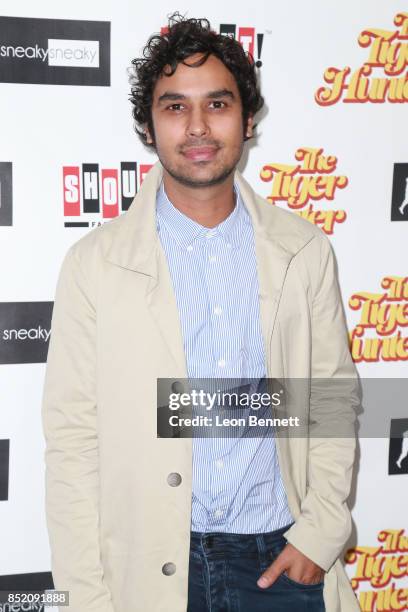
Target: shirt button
<point x="169" y="569"/>
<point x="212" y="258"/>
<point x="217" y="310"/>
<point x="221" y="363"/>
<point x="210" y="234"/>
<point x="218" y="513"/>
<point x="174" y="479"/>
<point x="190" y="247"/>
<point x="219" y="463"/>
<point x="229" y="245"/>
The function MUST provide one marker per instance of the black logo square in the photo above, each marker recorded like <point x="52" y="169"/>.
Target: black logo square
<point x="398" y="449"/>
<point x="54" y="51"/>
<point x="399" y="202"/>
<point x="6" y="193"/>
<point x="4" y="469"/>
<point x="25" y="329"/>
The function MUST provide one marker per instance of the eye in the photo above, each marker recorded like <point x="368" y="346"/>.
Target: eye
<point x="218" y="104"/>
<point x="175" y="107"/>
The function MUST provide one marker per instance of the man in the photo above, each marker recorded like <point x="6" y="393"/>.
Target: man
<point x="201" y="278"/>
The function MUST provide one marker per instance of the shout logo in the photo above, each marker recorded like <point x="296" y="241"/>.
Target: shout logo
<point x="388" y="53"/>
<point x="380" y="567"/>
<point x="310" y="180"/>
<point x="245" y="35"/>
<point x="384" y="315"/>
<point x="96" y="195"/>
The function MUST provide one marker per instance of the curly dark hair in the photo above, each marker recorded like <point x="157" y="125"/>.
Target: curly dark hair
<point x="164" y="52"/>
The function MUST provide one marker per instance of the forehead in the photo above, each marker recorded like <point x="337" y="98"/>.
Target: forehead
<point x="197" y="81"/>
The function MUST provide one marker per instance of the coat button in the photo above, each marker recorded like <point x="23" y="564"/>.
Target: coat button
<point x="174" y="479"/>
<point x="169" y="569"/>
<point x="177" y="387"/>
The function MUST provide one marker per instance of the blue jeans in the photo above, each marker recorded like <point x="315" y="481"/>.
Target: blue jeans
<point x="224" y="569"/>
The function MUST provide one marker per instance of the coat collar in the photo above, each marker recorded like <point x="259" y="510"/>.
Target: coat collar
<point x="135" y="241"/>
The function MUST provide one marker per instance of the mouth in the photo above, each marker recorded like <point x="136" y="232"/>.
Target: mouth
<point x="197" y="154"/>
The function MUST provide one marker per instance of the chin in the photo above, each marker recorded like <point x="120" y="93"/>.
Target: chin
<point x="201" y="175"/>
<point x="203" y="179"/>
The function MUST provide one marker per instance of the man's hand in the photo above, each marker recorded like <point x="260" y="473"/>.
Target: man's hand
<point x="298" y="567"/>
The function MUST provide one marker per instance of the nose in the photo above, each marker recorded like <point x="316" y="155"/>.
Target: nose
<point x="197" y="125"/>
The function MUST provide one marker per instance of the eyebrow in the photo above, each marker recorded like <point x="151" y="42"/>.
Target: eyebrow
<point x="217" y="93"/>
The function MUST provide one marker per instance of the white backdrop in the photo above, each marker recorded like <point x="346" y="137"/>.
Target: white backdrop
<point x="46" y="127"/>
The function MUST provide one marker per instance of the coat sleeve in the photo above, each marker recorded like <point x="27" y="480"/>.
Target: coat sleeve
<point x="324" y="524"/>
<point x="69" y="415"/>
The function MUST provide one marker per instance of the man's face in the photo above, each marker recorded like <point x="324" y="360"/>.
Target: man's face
<point x="197" y="121"/>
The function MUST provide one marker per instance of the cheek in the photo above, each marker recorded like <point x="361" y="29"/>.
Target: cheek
<point x="229" y="129"/>
<point x="168" y="131"/>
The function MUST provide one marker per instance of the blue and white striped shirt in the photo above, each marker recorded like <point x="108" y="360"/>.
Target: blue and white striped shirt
<point x="237" y="484"/>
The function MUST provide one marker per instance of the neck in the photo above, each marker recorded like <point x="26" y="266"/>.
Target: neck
<point x="208" y="206"/>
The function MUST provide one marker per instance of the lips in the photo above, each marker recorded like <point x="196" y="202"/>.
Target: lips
<point x="200" y="153"/>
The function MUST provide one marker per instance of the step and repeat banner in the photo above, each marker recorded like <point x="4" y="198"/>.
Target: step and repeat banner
<point x="332" y="147"/>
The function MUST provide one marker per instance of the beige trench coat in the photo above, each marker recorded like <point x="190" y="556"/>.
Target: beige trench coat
<point x="113" y="519"/>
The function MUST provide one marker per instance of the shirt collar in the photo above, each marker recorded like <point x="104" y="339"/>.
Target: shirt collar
<point x="185" y="231"/>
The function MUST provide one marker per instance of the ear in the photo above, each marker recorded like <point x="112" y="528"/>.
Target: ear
<point x="249" y="127"/>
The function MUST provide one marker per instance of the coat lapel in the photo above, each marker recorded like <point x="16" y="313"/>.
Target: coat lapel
<point x="272" y="268"/>
<point x="162" y="303"/>
<point x="137" y="247"/>
<point x="276" y="243"/>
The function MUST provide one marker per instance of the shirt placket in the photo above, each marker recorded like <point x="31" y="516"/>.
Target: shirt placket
<point x="215" y="253"/>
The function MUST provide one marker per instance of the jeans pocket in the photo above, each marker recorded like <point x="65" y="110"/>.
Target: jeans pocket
<point x="273" y="553"/>
<point x="301" y="585"/>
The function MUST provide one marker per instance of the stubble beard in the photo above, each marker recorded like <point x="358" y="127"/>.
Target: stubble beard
<point x="219" y="175"/>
